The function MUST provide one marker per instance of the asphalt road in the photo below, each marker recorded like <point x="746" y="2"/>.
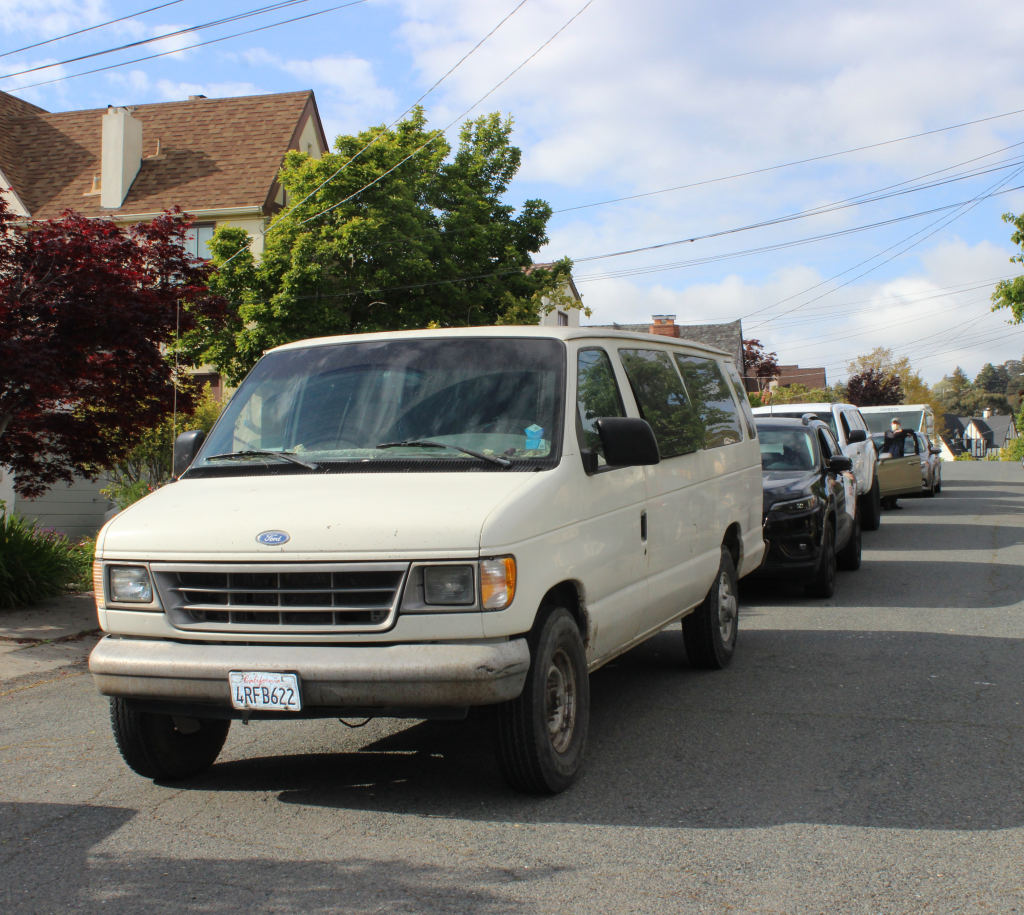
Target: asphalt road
<point x="861" y="755"/>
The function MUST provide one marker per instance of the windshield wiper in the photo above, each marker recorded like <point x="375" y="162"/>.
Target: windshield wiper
<point x="258" y="452"/>
<point x="494" y="459"/>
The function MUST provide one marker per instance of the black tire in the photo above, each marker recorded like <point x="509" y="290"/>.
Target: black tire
<point x="824" y="582"/>
<point x="709" y="633"/>
<point x="165" y="746"/>
<point x="848" y="558"/>
<point x="870" y="508"/>
<point x="938" y="483"/>
<point x="540" y="736"/>
<point x="930" y="491"/>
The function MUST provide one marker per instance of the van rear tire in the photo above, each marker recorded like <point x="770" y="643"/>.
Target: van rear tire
<point x="541" y="735"/>
<point x="166" y="746"/>
<point x="709" y="633"/>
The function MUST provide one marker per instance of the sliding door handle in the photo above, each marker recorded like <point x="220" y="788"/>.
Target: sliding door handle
<point x="643" y="526"/>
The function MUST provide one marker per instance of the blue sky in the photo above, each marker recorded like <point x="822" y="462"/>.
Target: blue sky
<point x="639" y="96"/>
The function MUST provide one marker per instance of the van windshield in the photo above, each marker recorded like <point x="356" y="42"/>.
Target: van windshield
<point x="497" y="396"/>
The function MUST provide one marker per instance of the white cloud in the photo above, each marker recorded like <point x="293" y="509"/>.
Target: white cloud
<point x="49" y="18"/>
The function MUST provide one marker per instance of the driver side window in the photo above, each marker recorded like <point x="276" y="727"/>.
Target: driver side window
<point x="597" y="395"/>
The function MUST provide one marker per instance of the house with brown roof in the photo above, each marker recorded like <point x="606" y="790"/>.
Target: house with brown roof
<point x="217" y="159"/>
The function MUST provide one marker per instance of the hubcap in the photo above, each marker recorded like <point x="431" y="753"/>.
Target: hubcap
<point x="727" y="606"/>
<point x="561" y="701"/>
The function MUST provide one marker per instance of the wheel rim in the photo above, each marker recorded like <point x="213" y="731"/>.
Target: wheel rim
<point x="561" y="696"/>
<point x="727" y="607"/>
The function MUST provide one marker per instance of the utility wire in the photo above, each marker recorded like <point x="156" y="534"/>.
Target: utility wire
<point x="144" y="41"/>
<point x="461" y="61"/>
<point x="967" y="206"/>
<point x="201" y="44"/>
<point x="437" y="135"/>
<point x="91" y="28"/>
<point x="772" y="168"/>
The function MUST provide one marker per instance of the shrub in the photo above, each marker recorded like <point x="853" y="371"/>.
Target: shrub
<point x="1014" y="450"/>
<point x="35" y="563"/>
<point x="965" y="456"/>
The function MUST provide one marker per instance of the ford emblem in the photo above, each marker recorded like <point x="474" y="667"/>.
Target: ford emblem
<point x="272" y="538"/>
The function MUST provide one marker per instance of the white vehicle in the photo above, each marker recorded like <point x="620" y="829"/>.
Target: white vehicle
<point x="851" y="431"/>
<point x="916" y="417"/>
<point x="411" y="524"/>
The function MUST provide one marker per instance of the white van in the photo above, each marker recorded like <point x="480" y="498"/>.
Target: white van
<point x="411" y="524"/>
<point x="850" y="430"/>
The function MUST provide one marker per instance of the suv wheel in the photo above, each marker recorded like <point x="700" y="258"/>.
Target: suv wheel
<point x="824" y="582"/>
<point x="166" y="746"/>
<point x="709" y="633"/>
<point x="870" y="507"/>
<point x="541" y="735"/>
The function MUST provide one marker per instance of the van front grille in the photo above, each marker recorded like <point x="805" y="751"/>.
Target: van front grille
<point x="267" y="597"/>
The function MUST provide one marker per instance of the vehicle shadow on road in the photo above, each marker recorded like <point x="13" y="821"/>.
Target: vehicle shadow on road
<point x="52" y="861"/>
<point x="800" y="729"/>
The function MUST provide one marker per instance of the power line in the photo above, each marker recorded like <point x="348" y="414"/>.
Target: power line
<point x="144" y="41"/>
<point x="966" y="208"/>
<point x="201" y="44"/>
<point x="91" y="28"/>
<point x="440" y="133"/>
<point x="410" y="108"/>
<point x="772" y="168"/>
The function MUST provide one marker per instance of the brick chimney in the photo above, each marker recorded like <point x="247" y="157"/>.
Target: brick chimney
<point x="122" y="156"/>
<point x="665" y="325"/>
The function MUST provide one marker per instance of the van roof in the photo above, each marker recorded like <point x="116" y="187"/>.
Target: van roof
<point x="558" y="333"/>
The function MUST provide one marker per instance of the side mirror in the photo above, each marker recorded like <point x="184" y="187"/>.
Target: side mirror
<point x="856" y="435"/>
<point x="839" y="463"/>
<point x="935" y="451"/>
<point x="186" y="447"/>
<point x="627" y="442"/>
<point x="884" y="456"/>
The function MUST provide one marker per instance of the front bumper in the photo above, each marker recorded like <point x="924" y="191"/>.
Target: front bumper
<point x="330" y="676"/>
<point x="794" y="545"/>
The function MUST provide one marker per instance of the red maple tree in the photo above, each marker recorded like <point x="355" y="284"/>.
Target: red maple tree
<point x="759" y="364"/>
<point x="88" y="310"/>
<point x="872" y="388"/>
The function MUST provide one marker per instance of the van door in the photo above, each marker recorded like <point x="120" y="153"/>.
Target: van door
<point x="901" y="473"/>
<point x="611" y="556"/>
<point x="678" y="507"/>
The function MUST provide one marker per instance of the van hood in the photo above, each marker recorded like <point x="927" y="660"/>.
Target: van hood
<point x="337" y="517"/>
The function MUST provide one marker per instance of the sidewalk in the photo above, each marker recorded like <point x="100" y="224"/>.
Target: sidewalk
<point x="49" y="635"/>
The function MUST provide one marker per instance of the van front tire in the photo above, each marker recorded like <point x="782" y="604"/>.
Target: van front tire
<point x="166" y="746"/>
<point x="541" y="735"/>
<point x="709" y="633"/>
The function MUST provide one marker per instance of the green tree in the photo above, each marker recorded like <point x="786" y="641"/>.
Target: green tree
<point x="430" y="244"/>
<point x="955" y="393"/>
<point x="1010" y="293"/>
<point x="992" y="379"/>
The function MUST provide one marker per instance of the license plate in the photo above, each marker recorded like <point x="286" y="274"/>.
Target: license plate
<point x="265" y="691"/>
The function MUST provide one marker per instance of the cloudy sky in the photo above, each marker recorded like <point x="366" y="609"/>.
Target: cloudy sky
<point x="660" y="98"/>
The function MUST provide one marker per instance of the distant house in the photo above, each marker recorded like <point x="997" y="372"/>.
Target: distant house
<point x="977" y="435"/>
<point x="218" y="159"/>
<point x="809" y="377"/>
<point x="728" y="337"/>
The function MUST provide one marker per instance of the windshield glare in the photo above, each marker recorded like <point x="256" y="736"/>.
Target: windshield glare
<point x="786" y="449"/>
<point x="499" y="396"/>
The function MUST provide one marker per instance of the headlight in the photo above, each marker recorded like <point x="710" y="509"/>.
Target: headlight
<point x="808" y="503"/>
<point x="497" y="582"/>
<point x="131" y="584"/>
<point x="448" y="585"/>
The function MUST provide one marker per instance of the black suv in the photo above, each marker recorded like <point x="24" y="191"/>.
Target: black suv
<point x="810" y="503"/>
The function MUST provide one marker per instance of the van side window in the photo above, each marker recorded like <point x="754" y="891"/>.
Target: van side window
<point x="712" y="399"/>
<point x="662" y="401"/>
<point x="597" y="395"/>
<point x="741" y="392"/>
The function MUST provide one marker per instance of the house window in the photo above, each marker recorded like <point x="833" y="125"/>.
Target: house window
<point x="563" y="319"/>
<point x="197" y="240"/>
